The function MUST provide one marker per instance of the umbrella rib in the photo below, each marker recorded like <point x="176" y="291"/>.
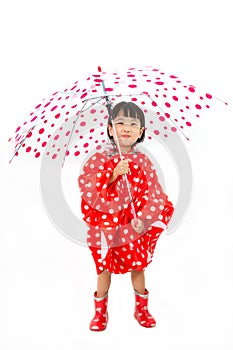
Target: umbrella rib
<point x="21" y="143"/>
<point x="180" y="130"/>
<point x="71" y="133"/>
<point x="112" y="95"/>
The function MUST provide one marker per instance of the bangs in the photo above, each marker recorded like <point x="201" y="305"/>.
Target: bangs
<point x="129" y="110"/>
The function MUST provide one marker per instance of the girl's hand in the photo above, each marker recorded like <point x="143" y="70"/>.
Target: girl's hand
<point x="139" y="227"/>
<point x="121" y="169"/>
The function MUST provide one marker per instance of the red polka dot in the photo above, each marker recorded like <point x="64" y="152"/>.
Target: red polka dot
<point x="188" y="124"/>
<point x="198" y="106"/>
<point x="175" y="98"/>
<point x="86" y="144"/>
<point x="84" y="95"/>
<point x="209" y="96"/>
<point x="54" y="156"/>
<point x="41" y="131"/>
<point x="57" y="116"/>
<point x="76" y="153"/>
<point x="29" y="134"/>
<point x="44" y="144"/>
<point x="154" y="104"/>
<point x="28" y="149"/>
<point x="37" y="154"/>
<point x="173" y="129"/>
<point x="82" y="123"/>
<point x="32" y="120"/>
<point x="56" y="137"/>
<point x="132" y="86"/>
<point x="156" y="132"/>
<point x="191" y="89"/>
<point x="167" y="104"/>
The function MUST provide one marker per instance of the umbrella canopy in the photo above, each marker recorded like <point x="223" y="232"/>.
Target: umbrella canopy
<point x="79" y="112"/>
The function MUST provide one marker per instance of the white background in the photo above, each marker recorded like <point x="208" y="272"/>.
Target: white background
<point x="47" y="281"/>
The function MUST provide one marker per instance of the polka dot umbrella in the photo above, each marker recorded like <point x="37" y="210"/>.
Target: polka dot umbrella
<point x="80" y="111"/>
<point x="72" y="123"/>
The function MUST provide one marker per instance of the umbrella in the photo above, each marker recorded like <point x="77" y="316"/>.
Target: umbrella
<point x="176" y="106"/>
<point x="72" y="122"/>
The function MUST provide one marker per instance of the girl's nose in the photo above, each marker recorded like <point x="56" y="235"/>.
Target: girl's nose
<point x="126" y="127"/>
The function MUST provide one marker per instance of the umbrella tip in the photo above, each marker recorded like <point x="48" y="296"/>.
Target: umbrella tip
<point x="99" y="69"/>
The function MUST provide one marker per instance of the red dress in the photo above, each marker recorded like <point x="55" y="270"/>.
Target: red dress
<point x="107" y="210"/>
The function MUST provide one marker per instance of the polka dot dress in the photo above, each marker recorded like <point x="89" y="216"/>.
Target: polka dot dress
<point x="106" y="209"/>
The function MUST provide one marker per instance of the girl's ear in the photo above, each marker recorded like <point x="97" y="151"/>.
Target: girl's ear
<point x="110" y="130"/>
<point x="141" y="131"/>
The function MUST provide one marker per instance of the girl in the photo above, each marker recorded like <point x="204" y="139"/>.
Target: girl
<point x="118" y="242"/>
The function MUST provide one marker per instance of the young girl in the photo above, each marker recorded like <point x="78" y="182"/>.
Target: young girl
<point x="120" y="243"/>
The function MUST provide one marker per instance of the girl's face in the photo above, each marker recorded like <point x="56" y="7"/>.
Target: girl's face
<point x="128" y="131"/>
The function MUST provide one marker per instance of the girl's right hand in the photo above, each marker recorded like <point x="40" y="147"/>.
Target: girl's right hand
<point x="121" y="169"/>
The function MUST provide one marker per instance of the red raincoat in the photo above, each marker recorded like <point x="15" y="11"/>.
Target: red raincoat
<point x="107" y="210"/>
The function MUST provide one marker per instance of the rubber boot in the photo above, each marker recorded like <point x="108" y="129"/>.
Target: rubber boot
<point x="141" y="313"/>
<point x="100" y="320"/>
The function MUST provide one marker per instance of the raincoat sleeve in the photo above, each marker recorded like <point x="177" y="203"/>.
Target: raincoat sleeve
<point x="154" y="207"/>
<point x="87" y="186"/>
<point x="94" y="187"/>
<point x="105" y="189"/>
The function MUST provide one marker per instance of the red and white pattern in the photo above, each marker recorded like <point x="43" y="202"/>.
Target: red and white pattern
<point x="100" y="319"/>
<point x="141" y="312"/>
<point x="107" y="211"/>
<point x="76" y="110"/>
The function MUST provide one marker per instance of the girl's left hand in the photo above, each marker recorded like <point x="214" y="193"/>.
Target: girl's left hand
<point x="139" y="227"/>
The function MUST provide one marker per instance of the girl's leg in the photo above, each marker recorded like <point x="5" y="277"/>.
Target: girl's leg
<point x="138" y="281"/>
<point x="103" y="283"/>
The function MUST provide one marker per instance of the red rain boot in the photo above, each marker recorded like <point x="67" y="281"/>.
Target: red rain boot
<point x="141" y="313"/>
<point x="100" y="320"/>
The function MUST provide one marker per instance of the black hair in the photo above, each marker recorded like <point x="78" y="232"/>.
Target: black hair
<point x="129" y="109"/>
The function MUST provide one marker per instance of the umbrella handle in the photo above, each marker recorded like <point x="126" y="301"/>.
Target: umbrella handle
<point x="134" y="214"/>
